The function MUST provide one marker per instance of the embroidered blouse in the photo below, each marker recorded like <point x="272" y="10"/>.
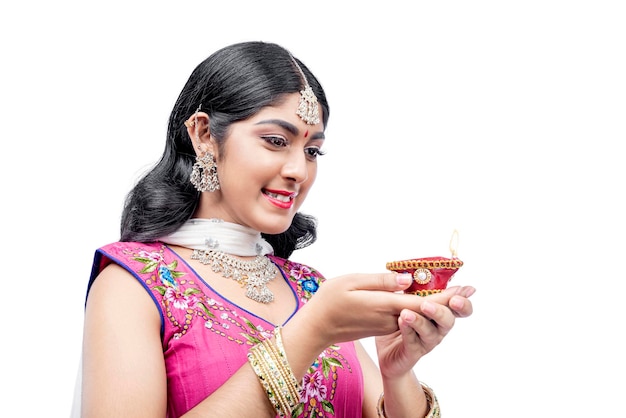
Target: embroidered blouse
<point x="206" y="337"/>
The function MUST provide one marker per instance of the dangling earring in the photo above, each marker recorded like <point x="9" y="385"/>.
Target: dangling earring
<point x="204" y="171"/>
<point x="204" y="174"/>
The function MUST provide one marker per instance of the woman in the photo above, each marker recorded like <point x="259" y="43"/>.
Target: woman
<point x="197" y="310"/>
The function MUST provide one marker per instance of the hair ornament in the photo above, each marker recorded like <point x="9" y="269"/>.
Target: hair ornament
<point x="308" y="109"/>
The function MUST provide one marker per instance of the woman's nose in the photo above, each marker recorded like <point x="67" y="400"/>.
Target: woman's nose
<point x="296" y="167"/>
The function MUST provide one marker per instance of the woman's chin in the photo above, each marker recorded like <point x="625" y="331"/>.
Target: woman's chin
<point x="277" y="227"/>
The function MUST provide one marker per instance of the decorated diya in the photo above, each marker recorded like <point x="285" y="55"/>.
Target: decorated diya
<point x="430" y="274"/>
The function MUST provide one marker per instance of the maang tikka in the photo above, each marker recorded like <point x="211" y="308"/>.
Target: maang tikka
<point x="308" y="109"/>
<point x="204" y="171"/>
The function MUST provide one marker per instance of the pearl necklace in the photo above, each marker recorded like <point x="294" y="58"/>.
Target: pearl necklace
<point x="213" y="241"/>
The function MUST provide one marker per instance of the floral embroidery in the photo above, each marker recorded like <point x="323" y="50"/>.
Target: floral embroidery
<point x="312" y="387"/>
<point x="255" y="333"/>
<point x="307" y="279"/>
<point x="181" y="299"/>
<point x="315" y="399"/>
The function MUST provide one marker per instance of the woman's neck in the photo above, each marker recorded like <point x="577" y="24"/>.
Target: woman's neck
<point x="218" y="235"/>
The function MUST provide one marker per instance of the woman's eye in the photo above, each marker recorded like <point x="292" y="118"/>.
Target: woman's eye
<point x="313" y="152"/>
<point x="276" y="141"/>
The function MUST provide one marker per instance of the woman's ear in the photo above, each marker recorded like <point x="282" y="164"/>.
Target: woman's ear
<point x="199" y="132"/>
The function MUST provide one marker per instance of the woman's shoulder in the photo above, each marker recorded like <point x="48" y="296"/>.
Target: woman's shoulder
<point x="125" y="253"/>
<point x="137" y="258"/>
<point x="125" y="247"/>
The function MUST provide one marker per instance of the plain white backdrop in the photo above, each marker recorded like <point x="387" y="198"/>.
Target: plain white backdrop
<point x="503" y="120"/>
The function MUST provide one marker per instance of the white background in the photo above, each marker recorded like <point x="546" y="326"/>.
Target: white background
<point x="504" y="120"/>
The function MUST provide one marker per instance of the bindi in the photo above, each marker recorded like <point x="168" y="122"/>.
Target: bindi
<point x="306" y="133"/>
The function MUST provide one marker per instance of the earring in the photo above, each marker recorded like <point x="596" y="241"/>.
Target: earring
<point x="204" y="174"/>
<point x="191" y="123"/>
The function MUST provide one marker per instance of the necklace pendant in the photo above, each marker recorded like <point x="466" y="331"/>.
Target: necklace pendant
<point x="259" y="294"/>
<point x="254" y="274"/>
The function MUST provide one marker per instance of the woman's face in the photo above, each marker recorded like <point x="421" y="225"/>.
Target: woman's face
<point x="267" y="168"/>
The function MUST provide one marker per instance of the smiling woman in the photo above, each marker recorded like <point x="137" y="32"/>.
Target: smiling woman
<point x="266" y="159"/>
<point x="198" y="309"/>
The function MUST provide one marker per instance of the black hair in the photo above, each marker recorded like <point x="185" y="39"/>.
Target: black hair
<point x="231" y="85"/>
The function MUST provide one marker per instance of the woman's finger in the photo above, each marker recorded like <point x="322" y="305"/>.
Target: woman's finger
<point x="439" y="315"/>
<point x="418" y="328"/>
<point x="461" y="306"/>
<point x="390" y="282"/>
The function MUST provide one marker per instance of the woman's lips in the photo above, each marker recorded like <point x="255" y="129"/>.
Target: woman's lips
<point x="280" y="198"/>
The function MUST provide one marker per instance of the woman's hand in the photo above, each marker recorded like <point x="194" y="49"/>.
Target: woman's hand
<point x="422" y="329"/>
<point x="355" y="306"/>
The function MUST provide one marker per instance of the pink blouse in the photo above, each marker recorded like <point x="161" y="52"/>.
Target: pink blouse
<point x="206" y="337"/>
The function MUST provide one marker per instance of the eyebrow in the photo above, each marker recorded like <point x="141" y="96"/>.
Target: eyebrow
<point x="288" y="127"/>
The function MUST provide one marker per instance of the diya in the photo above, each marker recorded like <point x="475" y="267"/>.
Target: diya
<point x="430" y="274"/>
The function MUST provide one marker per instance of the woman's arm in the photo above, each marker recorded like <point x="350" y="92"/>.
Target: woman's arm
<point x="373" y="385"/>
<point x="419" y="332"/>
<point x="123" y="367"/>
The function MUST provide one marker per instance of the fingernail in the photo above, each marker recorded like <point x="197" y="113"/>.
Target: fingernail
<point x="409" y="317"/>
<point x="456" y="304"/>
<point x="403" y="279"/>
<point x="428" y="308"/>
<point x="469" y="291"/>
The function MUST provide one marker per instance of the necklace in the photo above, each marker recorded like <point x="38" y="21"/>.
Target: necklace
<point x="216" y="243"/>
<point x="253" y="274"/>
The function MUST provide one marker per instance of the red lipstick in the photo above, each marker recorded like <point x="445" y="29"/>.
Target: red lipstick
<point x="280" y="198"/>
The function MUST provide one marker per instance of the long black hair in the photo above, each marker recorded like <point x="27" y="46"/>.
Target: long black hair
<point x="231" y="85"/>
